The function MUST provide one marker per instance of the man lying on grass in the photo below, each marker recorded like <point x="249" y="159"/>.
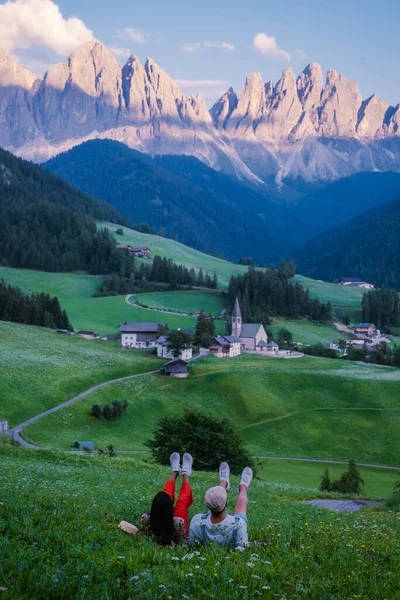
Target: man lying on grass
<point x="217" y="525"/>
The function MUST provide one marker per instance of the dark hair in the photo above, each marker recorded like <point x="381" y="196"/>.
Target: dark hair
<point x="162" y="519"/>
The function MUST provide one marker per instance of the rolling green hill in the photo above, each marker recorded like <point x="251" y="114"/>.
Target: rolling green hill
<point x="178" y="252"/>
<point x="297" y="407"/>
<point x="40" y="368"/>
<point x="62" y="540"/>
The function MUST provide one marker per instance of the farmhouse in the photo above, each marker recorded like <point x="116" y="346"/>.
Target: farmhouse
<point x="141" y="251"/>
<point x="354" y="283"/>
<point x="272" y="347"/>
<point x="225" y="347"/>
<point x="164" y="349"/>
<point x="139" y="335"/>
<point x="364" y="328"/>
<point x="252" y="335"/>
<point x="176" y="368"/>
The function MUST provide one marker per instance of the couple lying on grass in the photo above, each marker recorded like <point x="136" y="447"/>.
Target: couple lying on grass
<point x="167" y="525"/>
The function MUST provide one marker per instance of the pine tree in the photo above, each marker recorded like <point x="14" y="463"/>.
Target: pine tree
<point x="325" y="485"/>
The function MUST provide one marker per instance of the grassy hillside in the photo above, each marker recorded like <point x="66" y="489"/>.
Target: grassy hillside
<point x="307" y="332"/>
<point x="299" y="407"/>
<point x="62" y="285"/>
<point x="62" y="541"/>
<point x="185" y="301"/>
<point x="178" y="252"/>
<point x="40" y="368"/>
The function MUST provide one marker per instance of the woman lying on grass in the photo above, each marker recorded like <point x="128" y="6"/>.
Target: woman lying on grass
<point x="164" y="523"/>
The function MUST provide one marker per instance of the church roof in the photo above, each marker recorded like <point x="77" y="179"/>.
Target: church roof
<point x="236" y="309"/>
<point x="250" y="330"/>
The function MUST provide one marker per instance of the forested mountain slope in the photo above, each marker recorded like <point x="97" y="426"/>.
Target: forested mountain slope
<point x="48" y="225"/>
<point x="367" y="247"/>
<point x="185" y="198"/>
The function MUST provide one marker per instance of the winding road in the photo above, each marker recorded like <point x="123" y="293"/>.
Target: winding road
<point x="15" y="432"/>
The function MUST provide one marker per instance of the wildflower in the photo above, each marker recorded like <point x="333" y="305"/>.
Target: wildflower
<point x="162" y="586"/>
<point x="250" y="564"/>
<point x="175" y="558"/>
<point x="243" y="587"/>
<point x="134" y="578"/>
<point x="189" y="575"/>
<point x="266" y="587"/>
<point x="256" y="576"/>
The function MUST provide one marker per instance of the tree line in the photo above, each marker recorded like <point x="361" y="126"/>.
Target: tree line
<point x="263" y="294"/>
<point x="381" y="307"/>
<point x="35" y="309"/>
<point x="161" y="274"/>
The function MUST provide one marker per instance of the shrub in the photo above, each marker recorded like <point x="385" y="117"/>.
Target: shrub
<point x="111" y="451"/>
<point x="96" y="411"/>
<point x="210" y="440"/>
<point x="325" y="485"/>
<point x="107" y="412"/>
<point x="119" y="231"/>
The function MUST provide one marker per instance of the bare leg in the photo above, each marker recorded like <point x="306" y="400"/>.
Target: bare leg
<point x="184" y="477"/>
<point x="242" y="501"/>
<point x="223" y="483"/>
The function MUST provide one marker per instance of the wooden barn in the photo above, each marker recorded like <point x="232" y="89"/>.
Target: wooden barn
<point x="176" y="368"/>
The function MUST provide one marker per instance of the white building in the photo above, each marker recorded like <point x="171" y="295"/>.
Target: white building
<point x="164" y="350"/>
<point x="226" y="346"/>
<point x="139" y="335"/>
<point x="252" y="335"/>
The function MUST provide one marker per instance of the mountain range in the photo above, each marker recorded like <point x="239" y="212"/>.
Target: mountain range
<point x="297" y="130"/>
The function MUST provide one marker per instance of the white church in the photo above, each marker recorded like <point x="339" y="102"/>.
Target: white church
<point x="253" y="336"/>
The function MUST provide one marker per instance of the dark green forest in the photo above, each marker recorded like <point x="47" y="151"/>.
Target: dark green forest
<point x="179" y="196"/>
<point x="381" y="307"/>
<point x="367" y="247"/>
<point x="264" y="294"/>
<point x="35" y="309"/>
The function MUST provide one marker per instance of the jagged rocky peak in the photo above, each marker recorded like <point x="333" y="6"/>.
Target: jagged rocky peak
<point x="371" y="117"/>
<point x="340" y="103"/>
<point x="12" y="74"/>
<point x="223" y="108"/>
<point x="250" y="107"/>
<point x="310" y="86"/>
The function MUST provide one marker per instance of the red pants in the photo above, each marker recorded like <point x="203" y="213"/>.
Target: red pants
<point x="185" y="499"/>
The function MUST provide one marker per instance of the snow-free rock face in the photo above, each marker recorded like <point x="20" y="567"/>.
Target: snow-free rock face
<point x="297" y="129"/>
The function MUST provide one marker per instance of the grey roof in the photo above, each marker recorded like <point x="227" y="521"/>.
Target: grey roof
<point x="364" y="325"/>
<point x="236" y="309"/>
<point x="139" y="327"/>
<point x="162" y="340"/>
<point x="262" y="344"/>
<point x="272" y="345"/>
<point x="222" y="341"/>
<point x="250" y="330"/>
<point x="232" y="338"/>
<point x="138" y="249"/>
<point x="176" y="366"/>
<point x="351" y="280"/>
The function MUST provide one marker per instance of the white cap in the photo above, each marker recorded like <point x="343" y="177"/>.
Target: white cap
<point x="216" y="499"/>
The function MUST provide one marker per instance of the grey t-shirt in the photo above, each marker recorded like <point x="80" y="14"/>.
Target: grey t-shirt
<point x="232" y="531"/>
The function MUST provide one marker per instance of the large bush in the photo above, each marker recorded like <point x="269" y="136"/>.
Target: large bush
<point x="350" y="482"/>
<point x="210" y="440"/>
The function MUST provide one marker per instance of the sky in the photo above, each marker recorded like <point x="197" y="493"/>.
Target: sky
<point x="212" y="45"/>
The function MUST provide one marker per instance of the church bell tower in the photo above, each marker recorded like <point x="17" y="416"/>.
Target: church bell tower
<point x="236" y="319"/>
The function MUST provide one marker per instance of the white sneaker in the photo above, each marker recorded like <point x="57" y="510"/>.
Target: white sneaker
<point x="175" y="461"/>
<point x="224" y="472"/>
<point x="187" y="464"/>
<point x="247" y="476"/>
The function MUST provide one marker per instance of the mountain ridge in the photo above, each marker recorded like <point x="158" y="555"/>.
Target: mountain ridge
<point x="300" y="129"/>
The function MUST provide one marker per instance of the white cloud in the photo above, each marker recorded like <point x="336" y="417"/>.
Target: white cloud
<point x="301" y="54"/>
<point x="191" y="48"/>
<point x="132" y="35"/>
<point x="222" y="45"/>
<point x="25" y="23"/>
<point x="268" y="45"/>
<point x="120" y="52"/>
<point x="198" y="83"/>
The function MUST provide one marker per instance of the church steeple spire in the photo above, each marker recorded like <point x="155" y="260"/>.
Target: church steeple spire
<point x="236" y="319"/>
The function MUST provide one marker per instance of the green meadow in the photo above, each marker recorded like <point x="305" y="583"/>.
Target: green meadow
<point x="307" y="332"/>
<point x="40" y="368"/>
<point x="178" y="252"/>
<point x="306" y="407"/>
<point x="184" y="301"/>
<point x="63" y="285"/>
<point x="62" y="541"/>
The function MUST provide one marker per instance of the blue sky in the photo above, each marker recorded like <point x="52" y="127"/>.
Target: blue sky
<point x="209" y="45"/>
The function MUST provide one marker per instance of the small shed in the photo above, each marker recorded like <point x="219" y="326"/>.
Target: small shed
<point x="176" y="368"/>
<point x="84" y="446"/>
<point x="3" y="425"/>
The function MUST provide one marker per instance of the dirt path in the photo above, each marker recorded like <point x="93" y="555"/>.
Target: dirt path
<point x="168" y="312"/>
<point x="329" y="462"/>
